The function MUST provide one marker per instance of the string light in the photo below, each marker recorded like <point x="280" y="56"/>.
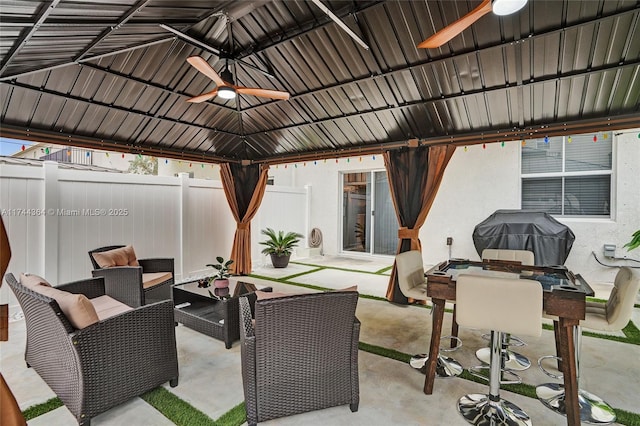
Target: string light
<point x="465" y="149"/>
<point x="546" y="139"/>
<point x="502" y="144"/>
<point x="304" y="164"/>
<point x="524" y="143"/>
<point x="285" y="166"/>
<point x="315" y="163"/>
<point x="295" y="165"/>
<point x="336" y="161"/>
<point x="23" y="147"/>
<point x="202" y="165"/>
<point x="46" y="151"/>
<point x="88" y="154"/>
<point x="68" y="153"/>
<point x="374" y="157"/>
<point x="569" y="139"/>
<point x="605" y="135"/>
<point x="348" y="160"/>
<point x="190" y="164"/>
<point x="139" y="156"/>
<point x="166" y="161"/>
<point x="595" y="138"/>
<point x="360" y="159"/>
<point x="484" y="146"/>
<point x="122" y="155"/>
<point x="325" y="160"/>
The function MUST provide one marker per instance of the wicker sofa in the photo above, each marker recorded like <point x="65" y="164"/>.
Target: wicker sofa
<point x="135" y="282"/>
<point x="105" y="363"/>
<point x="300" y="354"/>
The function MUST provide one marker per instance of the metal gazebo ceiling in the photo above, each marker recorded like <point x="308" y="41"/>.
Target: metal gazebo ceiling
<point x="113" y="75"/>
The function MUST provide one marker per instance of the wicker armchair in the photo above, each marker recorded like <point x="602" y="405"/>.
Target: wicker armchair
<point x="102" y="365"/>
<point x="301" y="355"/>
<point x="128" y="284"/>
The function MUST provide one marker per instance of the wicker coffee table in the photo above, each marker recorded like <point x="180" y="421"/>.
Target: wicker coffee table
<point x="215" y="317"/>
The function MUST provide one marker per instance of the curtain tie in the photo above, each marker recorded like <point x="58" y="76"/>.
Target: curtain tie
<point x="244" y="226"/>
<point x="405" y="233"/>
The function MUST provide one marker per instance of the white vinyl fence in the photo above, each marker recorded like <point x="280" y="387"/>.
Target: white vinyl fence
<point x="55" y="215"/>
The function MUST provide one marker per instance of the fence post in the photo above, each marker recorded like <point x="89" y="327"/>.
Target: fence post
<point x="183" y="250"/>
<point x="51" y="224"/>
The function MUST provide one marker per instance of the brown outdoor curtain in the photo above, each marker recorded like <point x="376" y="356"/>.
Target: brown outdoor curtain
<point x="414" y="177"/>
<point x="244" y="187"/>
<point x="10" y="414"/>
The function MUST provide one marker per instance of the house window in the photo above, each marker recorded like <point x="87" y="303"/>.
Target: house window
<point x="568" y="175"/>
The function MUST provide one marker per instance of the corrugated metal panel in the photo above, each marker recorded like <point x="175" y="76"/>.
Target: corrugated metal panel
<point x="552" y="62"/>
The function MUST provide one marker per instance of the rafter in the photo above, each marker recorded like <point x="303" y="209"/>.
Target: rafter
<point x="44" y="13"/>
<point x="469" y="138"/>
<point x="149" y="83"/>
<point x="463" y="54"/>
<point x="454" y="96"/>
<point x="48" y="136"/>
<point x="107" y="31"/>
<point x="119" y="108"/>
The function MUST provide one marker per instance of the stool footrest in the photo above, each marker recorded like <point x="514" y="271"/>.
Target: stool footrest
<point x="476" y="372"/>
<point x="547" y="372"/>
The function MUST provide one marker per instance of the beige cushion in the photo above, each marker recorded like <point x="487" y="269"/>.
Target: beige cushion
<point x="500" y="304"/>
<point x="410" y="272"/>
<point x="106" y="307"/>
<point x="76" y="307"/>
<point x="154" y="278"/>
<point x="31" y="280"/>
<point x="124" y="256"/>
<point x="261" y="295"/>
<point x="616" y="313"/>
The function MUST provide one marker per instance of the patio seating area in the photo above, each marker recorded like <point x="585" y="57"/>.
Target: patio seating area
<point x="390" y="390"/>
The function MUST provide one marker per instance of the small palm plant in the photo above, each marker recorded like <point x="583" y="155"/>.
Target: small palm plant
<point x="279" y="245"/>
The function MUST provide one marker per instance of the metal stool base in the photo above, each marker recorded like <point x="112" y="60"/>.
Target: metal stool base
<point x="515" y="361"/>
<point x="478" y="410"/>
<point x="445" y="367"/>
<point x="592" y="408"/>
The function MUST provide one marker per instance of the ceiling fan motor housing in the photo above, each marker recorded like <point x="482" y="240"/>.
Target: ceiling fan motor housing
<point x="227" y="76"/>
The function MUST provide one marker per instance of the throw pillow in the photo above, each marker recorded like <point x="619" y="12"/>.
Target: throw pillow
<point x="124" y="256"/>
<point x="31" y="280"/>
<point x="76" y="307"/>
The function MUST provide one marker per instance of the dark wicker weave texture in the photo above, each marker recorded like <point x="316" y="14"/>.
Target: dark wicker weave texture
<point x="103" y="365"/>
<point x="124" y="283"/>
<point x="302" y="354"/>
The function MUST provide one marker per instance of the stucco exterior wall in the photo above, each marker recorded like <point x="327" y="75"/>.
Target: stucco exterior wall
<point x="477" y="182"/>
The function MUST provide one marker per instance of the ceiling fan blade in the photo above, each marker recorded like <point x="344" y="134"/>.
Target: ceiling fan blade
<point x="455" y="28"/>
<point x="264" y="93"/>
<point x="203" y="66"/>
<point x="204" y="97"/>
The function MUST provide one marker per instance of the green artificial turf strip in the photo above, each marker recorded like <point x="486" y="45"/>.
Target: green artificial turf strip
<point x="624" y="417"/>
<point x="383" y="270"/>
<point x="40" y="409"/>
<point x="288" y="277"/>
<point x="234" y="417"/>
<point x="175" y="409"/>
<point x="335" y="268"/>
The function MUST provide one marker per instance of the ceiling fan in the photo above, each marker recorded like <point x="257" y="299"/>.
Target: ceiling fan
<point x="499" y="7"/>
<point x="225" y="87"/>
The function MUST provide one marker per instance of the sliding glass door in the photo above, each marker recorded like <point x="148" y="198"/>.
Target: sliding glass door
<point x="369" y="223"/>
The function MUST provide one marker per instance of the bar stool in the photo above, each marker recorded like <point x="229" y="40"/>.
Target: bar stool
<point x="511" y="360"/>
<point x="502" y="305"/>
<point x="413" y="284"/>
<point x="611" y="316"/>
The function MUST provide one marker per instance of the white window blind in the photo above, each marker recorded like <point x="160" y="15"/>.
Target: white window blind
<point x="568" y="175"/>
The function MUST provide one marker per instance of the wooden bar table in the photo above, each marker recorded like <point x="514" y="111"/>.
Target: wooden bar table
<point x="564" y="296"/>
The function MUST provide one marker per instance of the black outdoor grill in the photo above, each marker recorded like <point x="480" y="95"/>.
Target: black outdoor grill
<point x="536" y="231"/>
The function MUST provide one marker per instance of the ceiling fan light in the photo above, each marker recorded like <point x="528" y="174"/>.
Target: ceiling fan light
<point x="507" y="7"/>
<point x="226" y="92"/>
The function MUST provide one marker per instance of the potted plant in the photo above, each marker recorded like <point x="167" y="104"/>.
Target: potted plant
<point x="221" y="278"/>
<point x="279" y="246"/>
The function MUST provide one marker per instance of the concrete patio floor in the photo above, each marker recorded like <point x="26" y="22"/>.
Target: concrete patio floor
<point x="390" y="391"/>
